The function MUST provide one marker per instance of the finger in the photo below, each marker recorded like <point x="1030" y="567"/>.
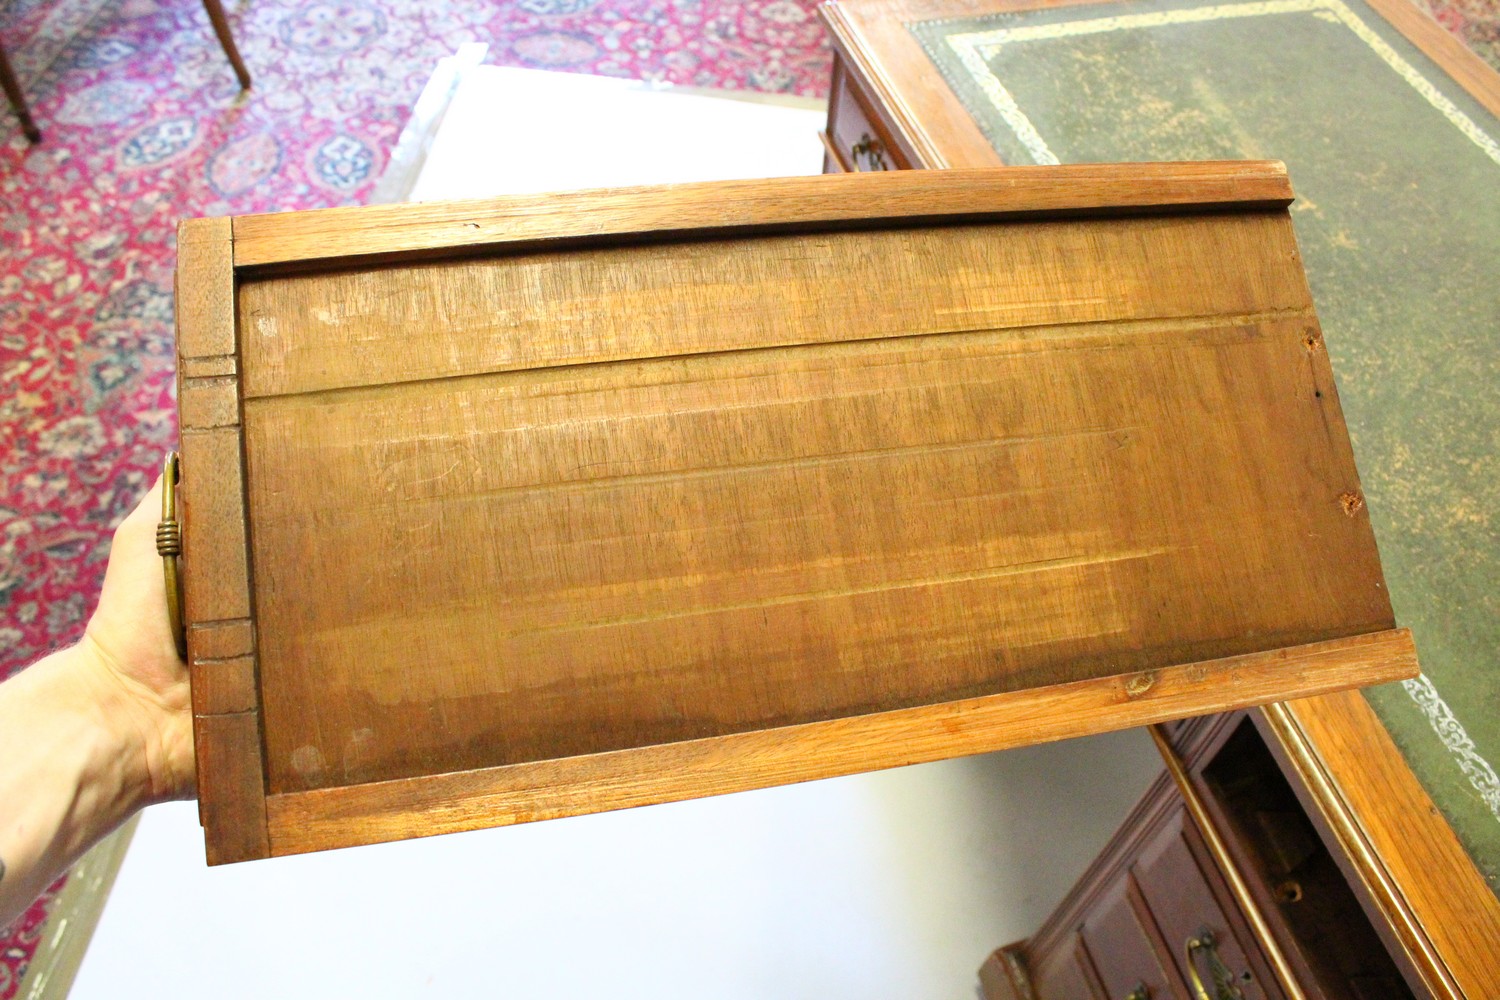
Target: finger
<point x="148" y="509"/>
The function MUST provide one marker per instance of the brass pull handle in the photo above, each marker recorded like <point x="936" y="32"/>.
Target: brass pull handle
<point x="1204" y="939"/>
<point x="1141" y="992"/>
<point x="1280" y="967"/>
<point x="169" y="547"/>
<point x="1223" y="989"/>
<point x="868" y="146"/>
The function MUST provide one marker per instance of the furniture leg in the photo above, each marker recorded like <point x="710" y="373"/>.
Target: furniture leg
<point x="17" y="99"/>
<point x="215" y="10"/>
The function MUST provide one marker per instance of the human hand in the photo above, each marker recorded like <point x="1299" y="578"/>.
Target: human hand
<point x="92" y="733"/>
<point x="128" y="652"/>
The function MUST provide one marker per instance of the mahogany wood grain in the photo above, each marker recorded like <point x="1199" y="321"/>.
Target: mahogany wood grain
<point x="222" y="667"/>
<point x="725" y="207"/>
<point x="209" y="402"/>
<point x="1175" y="879"/>
<point x="226" y="364"/>
<point x="204" y="289"/>
<point x="573" y="503"/>
<point x="1119" y="950"/>
<point x="216" y="583"/>
<point x="224" y="687"/>
<point x="234" y="818"/>
<point x="1151" y="889"/>
<point x="1075" y="970"/>
<point x="222" y="640"/>
<point x="1054" y="941"/>
<point x="1330" y="932"/>
<point x="1211" y="846"/>
<point x="418" y="807"/>
<point x="1004" y="976"/>
<point x="307" y="333"/>
<point x="717" y="512"/>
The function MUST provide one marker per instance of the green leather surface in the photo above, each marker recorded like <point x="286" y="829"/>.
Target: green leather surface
<point x="1398" y="182"/>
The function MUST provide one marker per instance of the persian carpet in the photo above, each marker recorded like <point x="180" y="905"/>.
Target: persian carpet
<point x="144" y="124"/>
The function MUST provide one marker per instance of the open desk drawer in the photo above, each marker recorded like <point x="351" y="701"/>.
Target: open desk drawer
<point x="505" y="510"/>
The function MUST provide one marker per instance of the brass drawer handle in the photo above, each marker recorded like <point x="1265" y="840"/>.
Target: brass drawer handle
<point x="1141" y="992"/>
<point x="1280" y="967"/>
<point x="169" y="547"/>
<point x="868" y="146"/>
<point x="1223" y="989"/>
<point x="1203" y="940"/>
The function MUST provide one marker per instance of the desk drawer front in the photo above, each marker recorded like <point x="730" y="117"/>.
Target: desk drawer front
<point x="857" y="140"/>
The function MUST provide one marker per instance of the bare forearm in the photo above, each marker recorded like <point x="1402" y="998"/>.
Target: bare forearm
<point x="93" y="733"/>
<point x="72" y="768"/>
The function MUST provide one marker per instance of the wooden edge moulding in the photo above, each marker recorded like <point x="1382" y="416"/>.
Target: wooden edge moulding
<point x="399" y="810"/>
<point x="262" y="793"/>
<point x="381" y="232"/>
<point x="216" y="581"/>
<point x="1435" y="902"/>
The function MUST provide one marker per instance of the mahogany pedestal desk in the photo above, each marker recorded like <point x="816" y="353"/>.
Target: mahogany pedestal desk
<point x="967" y="83"/>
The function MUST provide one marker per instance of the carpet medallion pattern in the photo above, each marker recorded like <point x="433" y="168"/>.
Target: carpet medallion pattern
<point x="144" y="124"/>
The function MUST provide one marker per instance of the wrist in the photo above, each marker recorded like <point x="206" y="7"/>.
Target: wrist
<point x="92" y="719"/>
<point x="138" y="729"/>
<point x="76" y="767"/>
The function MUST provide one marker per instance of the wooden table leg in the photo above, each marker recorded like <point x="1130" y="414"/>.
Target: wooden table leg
<point x="17" y="99"/>
<point x="215" y="10"/>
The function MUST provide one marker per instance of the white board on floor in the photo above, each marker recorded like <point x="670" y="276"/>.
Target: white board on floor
<point x="519" y="131"/>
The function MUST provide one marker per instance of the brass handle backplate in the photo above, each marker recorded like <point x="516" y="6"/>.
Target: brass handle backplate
<point x="169" y="547"/>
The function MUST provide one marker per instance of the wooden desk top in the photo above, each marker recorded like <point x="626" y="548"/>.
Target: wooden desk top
<point x="890" y="44"/>
<point x="1389" y="128"/>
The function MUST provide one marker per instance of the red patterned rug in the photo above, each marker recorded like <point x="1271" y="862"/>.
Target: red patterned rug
<point x="1475" y="22"/>
<point x="144" y="125"/>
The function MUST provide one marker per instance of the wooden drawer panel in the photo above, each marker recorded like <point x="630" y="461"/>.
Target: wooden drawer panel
<point x="587" y="501"/>
<point x="1119" y="950"/>
<point x="1174" y="887"/>
<point x="856" y="138"/>
<point x="1063" y="976"/>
